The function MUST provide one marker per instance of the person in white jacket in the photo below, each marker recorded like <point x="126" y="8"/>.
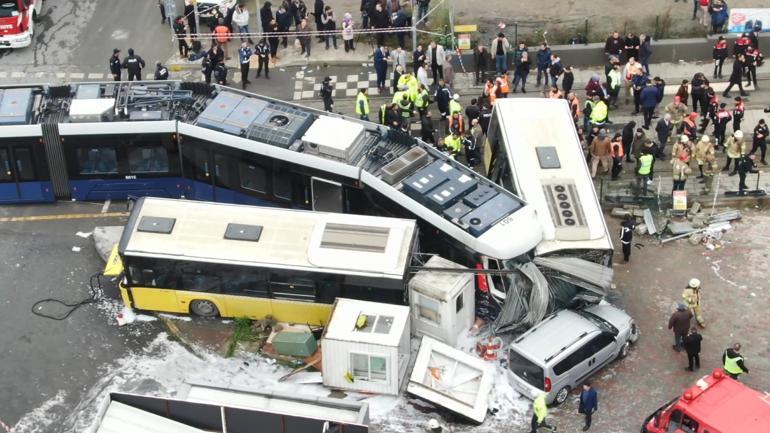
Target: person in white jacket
<point x="241" y="20"/>
<point x="422" y="75"/>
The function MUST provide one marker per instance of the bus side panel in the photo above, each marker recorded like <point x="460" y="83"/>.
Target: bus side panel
<point x="153" y="299"/>
<point x="183" y="299"/>
<point x="247" y="306"/>
<point x="301" y="312"/>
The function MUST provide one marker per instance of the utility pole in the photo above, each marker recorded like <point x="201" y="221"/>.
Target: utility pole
<point x="259" y="18"/>
<point x="197" y="18"/>
<point x="414" y="25"/>
<point x="452" y="23"/>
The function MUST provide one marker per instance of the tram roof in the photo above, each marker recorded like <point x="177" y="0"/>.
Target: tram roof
<point x="268" y="237"/>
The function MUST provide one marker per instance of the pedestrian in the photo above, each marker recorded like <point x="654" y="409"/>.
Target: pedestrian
<point x="180" y="33"/>
<point x="683" y="92"/>
<point x="266" y="16"/>
<point x="643" y="171"/>
<point x="738" y="111"/>
<point x="380" y="21"/>
<point x="481" y="61"/>
<point x="222" y="36"/>
<point x="735" y="148"/>
<point x="752" y="57"/>
<point x="284" y="19"/>
<point x="736" y="77"/>
<point x="680" y="172"/>
<point x="521" y="72"/>
<point x="627" y="236"/>
<point x="434" y="57"/>
<point x="398" y="70"/>
<point x="679" y="323"/>
<point x="116" y="68"/>
<point x="162" y="11"/>
<point x="330" y="25"/>
<point x="600" y="153"/>
<point x="543" y="56"/>
<point x="475" y="151"/>
<point x="589" y="403"/>
<point x="698" y="90"/>
<point x="539" y="413"/>
<point x="631" y="46"/>
<point x="298" y="10"/>
<point x="692" y="300"/>
<point x="745" y="165"/>
<point x="262" y="51"/>
<point x="568" y="81"/>
<point x="241" y="21"/>
<point x="638" y="83"/>
<point x="733" y="362"/>
<point x="273" y="41"/>
<point x="645" y="52"/>
<point x="614" y="45"/>
<point x="418" y="58"/>
<point x="614" y="80"/>
<point x="691" y="343"/>
<point x="518" y="53"/>
<point x="304" y="37"/>
<point x="555" y="69"/>
<point x="616" y="153"/>
<point x="719" y="54"/>
<point x="326" y="92"/>
<point x="161" y="72"/>
<point x="627" y="135"/>
<point x="648" y="98"/>
<point x="448" y="71"/>
<point x="244" y="56"/>
<point x="719" y="16"/>
<point x="427" y="130"/>
<point x="500" y="46"/>
<point x="422" y="11"/>
<point x="362" y="104"/>
<point x="398" y="57"/>
<point x="422" y="75"/>
<point x="134" y="65"/>
<point x="381" y="66"/>
<point x="760" y="139"/>
<point x="318" y="13"/>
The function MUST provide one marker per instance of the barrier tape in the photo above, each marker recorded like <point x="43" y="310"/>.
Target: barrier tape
<point x="234" y="35"/>
<point x="5" y="427"/>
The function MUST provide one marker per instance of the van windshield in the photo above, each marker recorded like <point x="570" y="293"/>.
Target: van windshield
<point x="8" y="9"/>
<point x="598" y="321"/>
<point x="525" y="369"/>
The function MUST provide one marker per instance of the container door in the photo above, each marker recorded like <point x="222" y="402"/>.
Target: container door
<point x="29" y="185"/>
<point x="327" y="195"/>
<point x="9" y="190"/>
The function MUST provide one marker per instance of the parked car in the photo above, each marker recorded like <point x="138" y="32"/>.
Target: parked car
<point x="567" y="347"/>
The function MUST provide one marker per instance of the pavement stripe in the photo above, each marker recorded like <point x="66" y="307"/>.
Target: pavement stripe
<point x="18" y="74"/>
<point x="3" y="74"/>
<point x="63" y="216"/>
<point x="77" y="75"/>
<point x="60" y="75"/>
<point x="106" y="206"/>
<point x="95" y="76"/>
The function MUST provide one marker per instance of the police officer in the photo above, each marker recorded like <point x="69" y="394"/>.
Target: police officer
<point x="745" y="165"/>
<point x="732" y="360"/>
<point x="134" y="64"/>
<point x="262" y="50"/>
<point x="161" y="72"/>
<point x="721" y="118"/>
<point x="244" y="55"/>
<point x="362" y="104"/>
<point x="627" y="235"/>
<point x="115" y="66"/>
<point x="327" y="90"/>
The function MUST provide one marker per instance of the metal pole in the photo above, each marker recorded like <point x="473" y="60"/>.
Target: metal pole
<point x="716" y="192"/>
<point x="451" y="24"/>
<point x="585" y="36"/>
<point x="259" y="16"/>
<point x="414" y="26"/>
<point x="197" y="18"/>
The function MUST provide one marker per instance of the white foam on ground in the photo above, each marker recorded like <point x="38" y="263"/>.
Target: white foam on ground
<point x="40" y="418"/>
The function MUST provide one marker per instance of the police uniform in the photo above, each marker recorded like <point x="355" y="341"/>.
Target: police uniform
<point x="115" y="65"/>
<point x="161" y="73"/>
<point x="134" y="64"/>
<point x="244" y="55"/>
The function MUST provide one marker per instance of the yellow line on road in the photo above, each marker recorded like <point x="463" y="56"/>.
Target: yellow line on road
<point x="71" y="216"/>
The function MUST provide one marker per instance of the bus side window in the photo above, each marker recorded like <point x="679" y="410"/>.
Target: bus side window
<point x="245" y="282"/>
<point x="293" y="286"/>
<point x="197" y="278"/>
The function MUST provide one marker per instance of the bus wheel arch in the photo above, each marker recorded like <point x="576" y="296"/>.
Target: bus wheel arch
<point x="204" y="308"/>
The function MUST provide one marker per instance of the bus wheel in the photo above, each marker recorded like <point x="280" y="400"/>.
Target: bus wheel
<point x="204" y="308"/>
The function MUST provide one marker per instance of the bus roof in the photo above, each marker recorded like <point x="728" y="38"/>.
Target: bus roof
<point x="268" y="237"/>
<point x="550" y="173"/>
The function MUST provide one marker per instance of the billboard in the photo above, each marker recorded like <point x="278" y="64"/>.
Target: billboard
<point x="744" y="20"/>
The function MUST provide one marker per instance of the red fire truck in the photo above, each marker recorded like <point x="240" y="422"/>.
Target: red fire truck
<point x="17" y="22"/>
<point x="716" y="404"/>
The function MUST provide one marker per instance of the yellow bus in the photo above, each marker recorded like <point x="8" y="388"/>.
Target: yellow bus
<point x="225" y="260"/>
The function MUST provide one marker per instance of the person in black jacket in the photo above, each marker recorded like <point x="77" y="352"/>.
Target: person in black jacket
<point x="266" y="16"/>
<point x="631" y="46"/>
<point x="116" y="69"/>
<point x="719" y="55"/>
<point x="379" y="20"/>
<point x="626" y="236"/>
<point x="189" y="13"/>
<point x="628" y="139"/>
<point x="691" y="344"/>
<point x="318" y="13"/>
<point x="427" y="130"/>
<point x="734" y="353"/>
<point x="568" y="81"/>
<point x="181" y="35"/>
<point x="760" y="139"/>
<point x="736" y="77"/>
<point x="745" y="165"/>
<point x="161" y="72"/>
<point x="614" y="45"/>
<point x="262" y="51"/>
<point x="481" y="60"/>
<point x="327" y="91"/>
<point x="284" y="20"/>
<point x="134" y="64"/>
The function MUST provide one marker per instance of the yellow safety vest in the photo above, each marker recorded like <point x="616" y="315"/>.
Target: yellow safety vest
<point x="362" y="98"/>
<point x="454" y="107"/>
<point x="398" y="96"/>
<point x="405" y="105"/>
<point x="645" y="164"/>
<point x="599" y="112"/>
<point x="539" y="407"/>
<point x="453" y="143"/>
<point x="421" y="100"/>
<point x="731" y="365"/>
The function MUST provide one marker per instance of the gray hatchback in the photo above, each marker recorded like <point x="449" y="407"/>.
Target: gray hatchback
<point x="567" y="347"/>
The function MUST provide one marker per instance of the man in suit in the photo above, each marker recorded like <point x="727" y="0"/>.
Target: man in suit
<point x="589" y="403"/>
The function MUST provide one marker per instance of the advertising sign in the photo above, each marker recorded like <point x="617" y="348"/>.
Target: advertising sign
<point x="745" y="20"/>
<point x="680" y="201"/>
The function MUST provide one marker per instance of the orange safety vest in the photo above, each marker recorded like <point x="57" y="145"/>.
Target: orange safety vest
<point x="460" y="122"/>
<point x="616" y="153"/>
<point x="504" y="88"/>
<point x="493" y="94"/>
<point x="223" y="34"/>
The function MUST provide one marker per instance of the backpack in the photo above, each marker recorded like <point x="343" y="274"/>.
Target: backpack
<point x="326" y="92"/>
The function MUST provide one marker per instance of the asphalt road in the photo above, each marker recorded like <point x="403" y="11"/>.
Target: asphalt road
<point x="47" y="363"/>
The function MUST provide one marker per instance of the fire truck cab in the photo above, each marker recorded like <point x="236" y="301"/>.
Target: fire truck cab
<point x="17" y="22"/>
<point x="716" y="404"/>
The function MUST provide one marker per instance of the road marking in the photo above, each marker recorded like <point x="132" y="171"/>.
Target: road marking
<point x="106" y="206"/>
<point x="60" y="75"/>
<point x="63" y="217"/>
<point x="95" y="76"/>
<point x="18" y="74"/>
<point x="77" y="75"/>
<point x="149" y="76"/>
<point x="3" y="74"/>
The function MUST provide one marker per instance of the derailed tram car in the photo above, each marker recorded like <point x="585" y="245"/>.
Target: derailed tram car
<point x="97" y="141"/>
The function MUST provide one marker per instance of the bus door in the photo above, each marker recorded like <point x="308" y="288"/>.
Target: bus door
<point x="327" y="195"/>
<point x="17" y="175"/>
<point x="200" y="170"/>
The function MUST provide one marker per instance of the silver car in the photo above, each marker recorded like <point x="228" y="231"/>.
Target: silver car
<point x="567" y="347"/>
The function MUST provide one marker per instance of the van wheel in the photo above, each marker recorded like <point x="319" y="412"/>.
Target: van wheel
<point x="561" y="396"/>
<point x="624" y="350"/>
<point x="204" y="308"/>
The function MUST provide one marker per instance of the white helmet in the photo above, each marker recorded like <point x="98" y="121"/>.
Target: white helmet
<point x="694" y="282"/>
<point x="684" y="139"/>
<point x="433" y="424"/>
<point x="738" y="134"/>
<point x="455" y="96"/>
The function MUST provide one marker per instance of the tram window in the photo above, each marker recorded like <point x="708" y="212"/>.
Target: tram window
<point x="24" y="167"/>
<point x="202" y="172"/>
<point x="100" y="160"/>
<point x="253" y="177"/>
<point x="148" y="160"/>
<point x="5" y="165"/>
<point x="246" y="282"/>
<point x="282" y="183"/>
<point x="222" y="172"/>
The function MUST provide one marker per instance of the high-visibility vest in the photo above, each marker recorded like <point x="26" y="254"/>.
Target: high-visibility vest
<point x="405" y="106"/>
<point x="599" y="112"/>
<point x="616" y="153"/>
<point x="539" y="407"/>
<point x="645" y="164"/>
<point x="398" y="96"/>
<point x="453" y="143"/>
<point x="454" y="107"/>
<point x="504" y="87"/>
<point x="731" y="364"/>
<point x="422" y="99"/>
<point x="222" y="33"/>
<point x="383" y="112"/>
<point x="362" y="98"/>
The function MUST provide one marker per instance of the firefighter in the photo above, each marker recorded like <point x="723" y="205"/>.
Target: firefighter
<point x="134" y="64"/>
<point x="732" y="361"/>
<point x="691" y="296"/>
<point x="735" y="148"/>
<point x="711" y="169"/>
<point x="362" y="104"/>
<point x="161" y="72"/>
<point x="689" y="128"/>
<point x="115" y="66"/>
<point x="702" y="148"/>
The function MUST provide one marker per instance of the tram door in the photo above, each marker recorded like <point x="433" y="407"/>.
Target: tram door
<point x="200" y="170"/>
<point x="327" y="195"/>
<point x="17" y="174"/>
